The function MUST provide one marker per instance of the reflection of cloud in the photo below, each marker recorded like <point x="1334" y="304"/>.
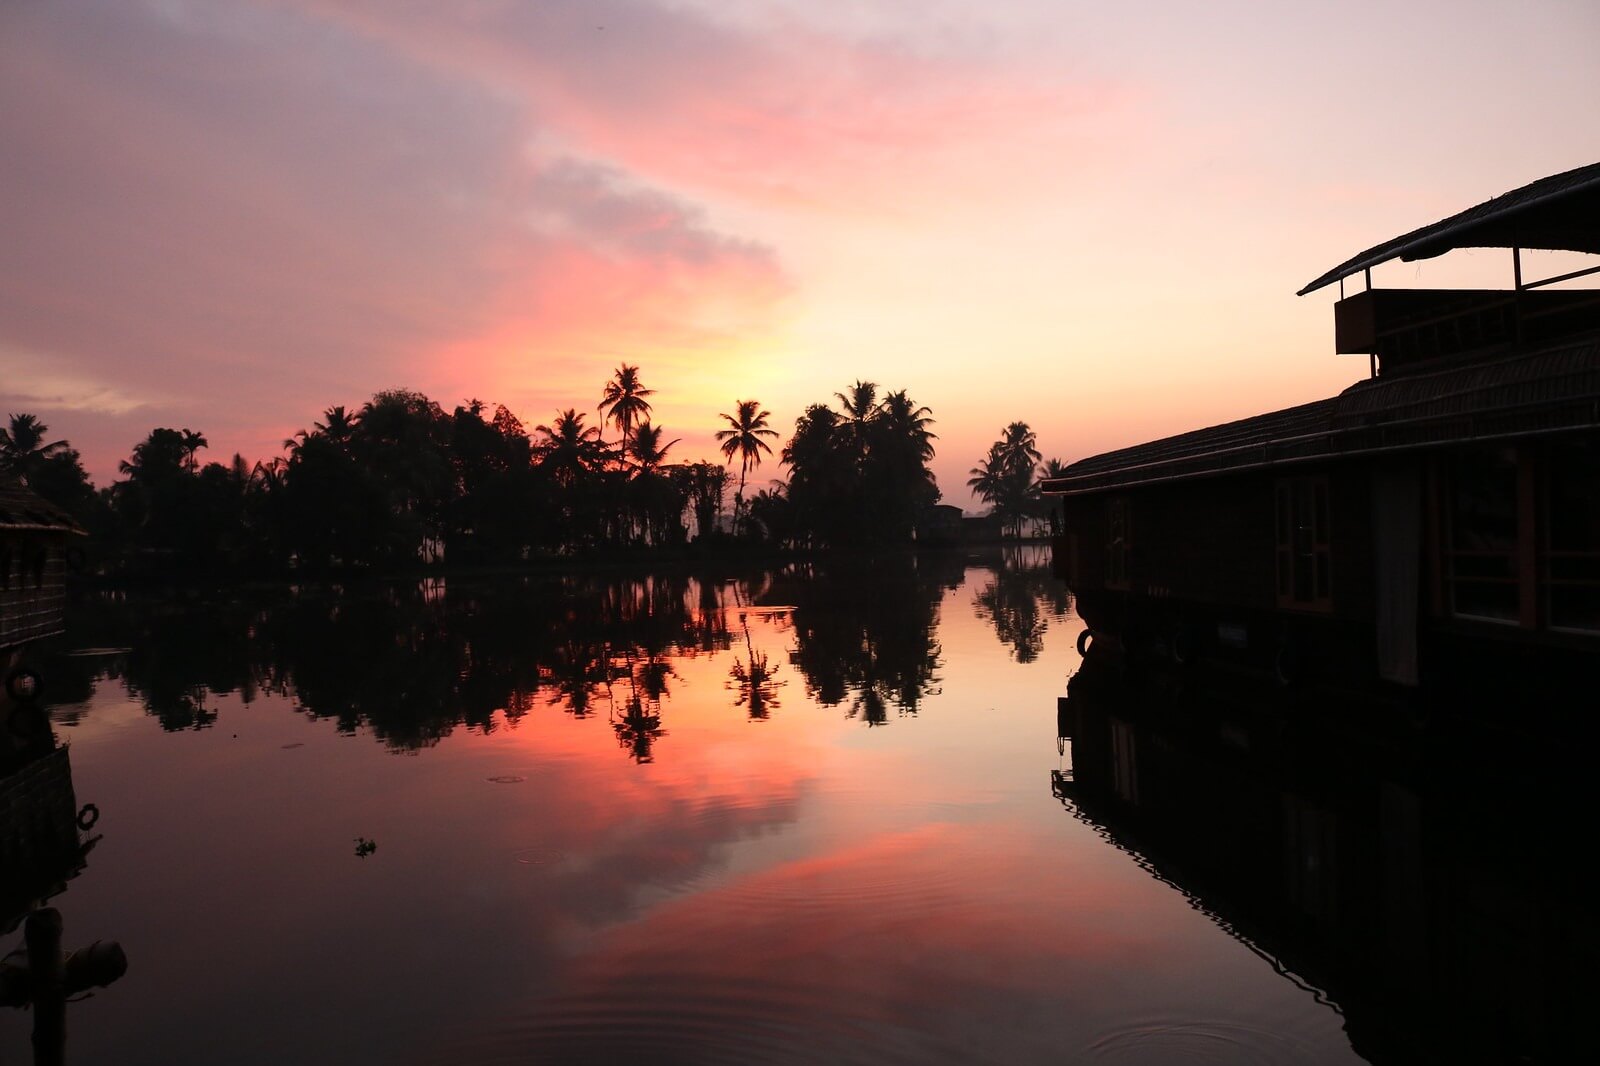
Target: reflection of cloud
<point x="887" y="948"/>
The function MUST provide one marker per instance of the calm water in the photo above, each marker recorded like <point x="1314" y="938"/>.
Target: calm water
<point x="789" y="817"/>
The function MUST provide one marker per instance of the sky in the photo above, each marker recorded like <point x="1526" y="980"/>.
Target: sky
<point x="229" y="215"/>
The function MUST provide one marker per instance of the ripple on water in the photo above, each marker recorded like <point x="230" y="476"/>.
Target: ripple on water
<point x="662" y="1018"/>
<point x="539" y="856"/>
<point x="1199" y="1042"/>
<point x="915" y="893"/>
<point x="507" y="779"/>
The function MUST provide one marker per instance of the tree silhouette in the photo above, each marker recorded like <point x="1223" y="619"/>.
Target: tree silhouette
<point x="624" y="399"/>
<point x="743" y="437"/>
<point x="568" y="450"/>
<point x="23" y="447"/>
<point x="1004" y="477"/>
<point x="646" y="446"/>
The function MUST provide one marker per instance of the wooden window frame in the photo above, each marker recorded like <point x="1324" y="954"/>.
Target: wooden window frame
<point x="1523" y="556"/>
<point x="1302" y="519"/>
<point x="1545" y="579"/>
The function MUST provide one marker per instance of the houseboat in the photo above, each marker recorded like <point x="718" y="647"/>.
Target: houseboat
<point x="1436" y="518"/>
<point x="35" y="545"/>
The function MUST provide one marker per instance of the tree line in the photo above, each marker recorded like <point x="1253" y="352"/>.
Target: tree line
<point x="400" y="481"/>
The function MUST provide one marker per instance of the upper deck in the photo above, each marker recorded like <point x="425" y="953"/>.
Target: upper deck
<point x="1447" y="365"/>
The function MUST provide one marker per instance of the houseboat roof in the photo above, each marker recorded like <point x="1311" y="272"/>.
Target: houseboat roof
<point x="22" y="509"/>
<point x="1552" y="389"/>
<point x="1560" y="212"/>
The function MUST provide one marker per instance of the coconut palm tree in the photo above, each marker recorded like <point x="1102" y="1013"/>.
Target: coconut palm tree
<point x="1004" y="477"/>
<point x="568" y="449"/>
<point x="22" y="444"/>
<point x="907" y="423"/>
<point x="859" y="404"/>
<point x="646" y="447"/>
<point x="338" y="424"/>
<point x="192" y="443"/>
<point x="623" y="401"/>
<point x="744" y="437"/>
<point x="988" y="477"/>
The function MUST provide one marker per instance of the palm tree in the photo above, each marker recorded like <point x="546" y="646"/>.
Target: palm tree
<point x="1004" y="477"/>
<point x="192" y="443"/>
<point x="22" y="444"/>
<point x="746" y="428"/>
<point x="1022" y="447"/>
<point x="338" y="425"/>
<point x="624" y="401"/>
<point x="569" y="449"/>
<point x="988" y="477"/>
<point x="908" y="423"/>
<point x="859" y="404"/>
<point x="647" y="449"/>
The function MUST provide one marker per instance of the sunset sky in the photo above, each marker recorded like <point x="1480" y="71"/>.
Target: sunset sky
<point x="227" y="215"/>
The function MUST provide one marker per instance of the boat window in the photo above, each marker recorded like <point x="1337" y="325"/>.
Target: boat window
<point x="1572" y="550"/>
<point x="1483" y="535"/>
<point x="1304" y="553"/>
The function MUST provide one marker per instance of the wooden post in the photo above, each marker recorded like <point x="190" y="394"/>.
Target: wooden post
<point x="46" y="970"/>
<point x="46" y="977"/>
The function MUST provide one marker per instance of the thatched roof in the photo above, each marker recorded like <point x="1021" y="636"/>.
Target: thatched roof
<point x="1561" y="212"/>
<point x="1552" y="389"/>
<point x="23" y="509"/>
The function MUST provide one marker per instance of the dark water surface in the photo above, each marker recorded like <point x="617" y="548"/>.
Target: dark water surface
<point x="790" y="817"/>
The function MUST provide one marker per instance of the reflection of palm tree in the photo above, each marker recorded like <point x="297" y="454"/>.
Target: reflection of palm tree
<point x="638" y="730"/>
<point x="743" y="437"/>
<point x="1011" y="602"/>
<point x="624" y="401"/>
<point x="870" y="706"/>
<point x="755" y="676"/>
<point x="575" y="671"/>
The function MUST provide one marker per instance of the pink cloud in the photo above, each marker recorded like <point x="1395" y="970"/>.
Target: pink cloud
<point x="781" y="114"/>
<point x="228" y="217"/>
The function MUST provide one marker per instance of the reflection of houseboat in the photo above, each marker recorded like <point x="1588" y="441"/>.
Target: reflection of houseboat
<point x="1444" y="919"/>
<point x="1444" y="511"/>
<point x="34" y="538"/>
<point x="41" y="848"/>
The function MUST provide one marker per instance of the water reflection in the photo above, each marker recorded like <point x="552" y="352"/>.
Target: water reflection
<point x="45" y="840"/>
<point x="411" y="663"/>
<point x="867" y="639"/>
<point x="1021" y="598"/>
<point x="1423" y="881"/>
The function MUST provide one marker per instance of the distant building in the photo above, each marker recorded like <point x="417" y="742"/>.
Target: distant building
<point x="1446" y="511"/>
<point x="940" y="524"/>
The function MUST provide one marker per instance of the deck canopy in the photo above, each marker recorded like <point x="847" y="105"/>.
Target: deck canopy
<point x="1558" y="213"/>
<point x="1553" y="389"/>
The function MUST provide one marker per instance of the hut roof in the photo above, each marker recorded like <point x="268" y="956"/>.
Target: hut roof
<point x="1549" y="390"/>
<point x="23" y="509"/>
<point x="1559" y="212"/>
